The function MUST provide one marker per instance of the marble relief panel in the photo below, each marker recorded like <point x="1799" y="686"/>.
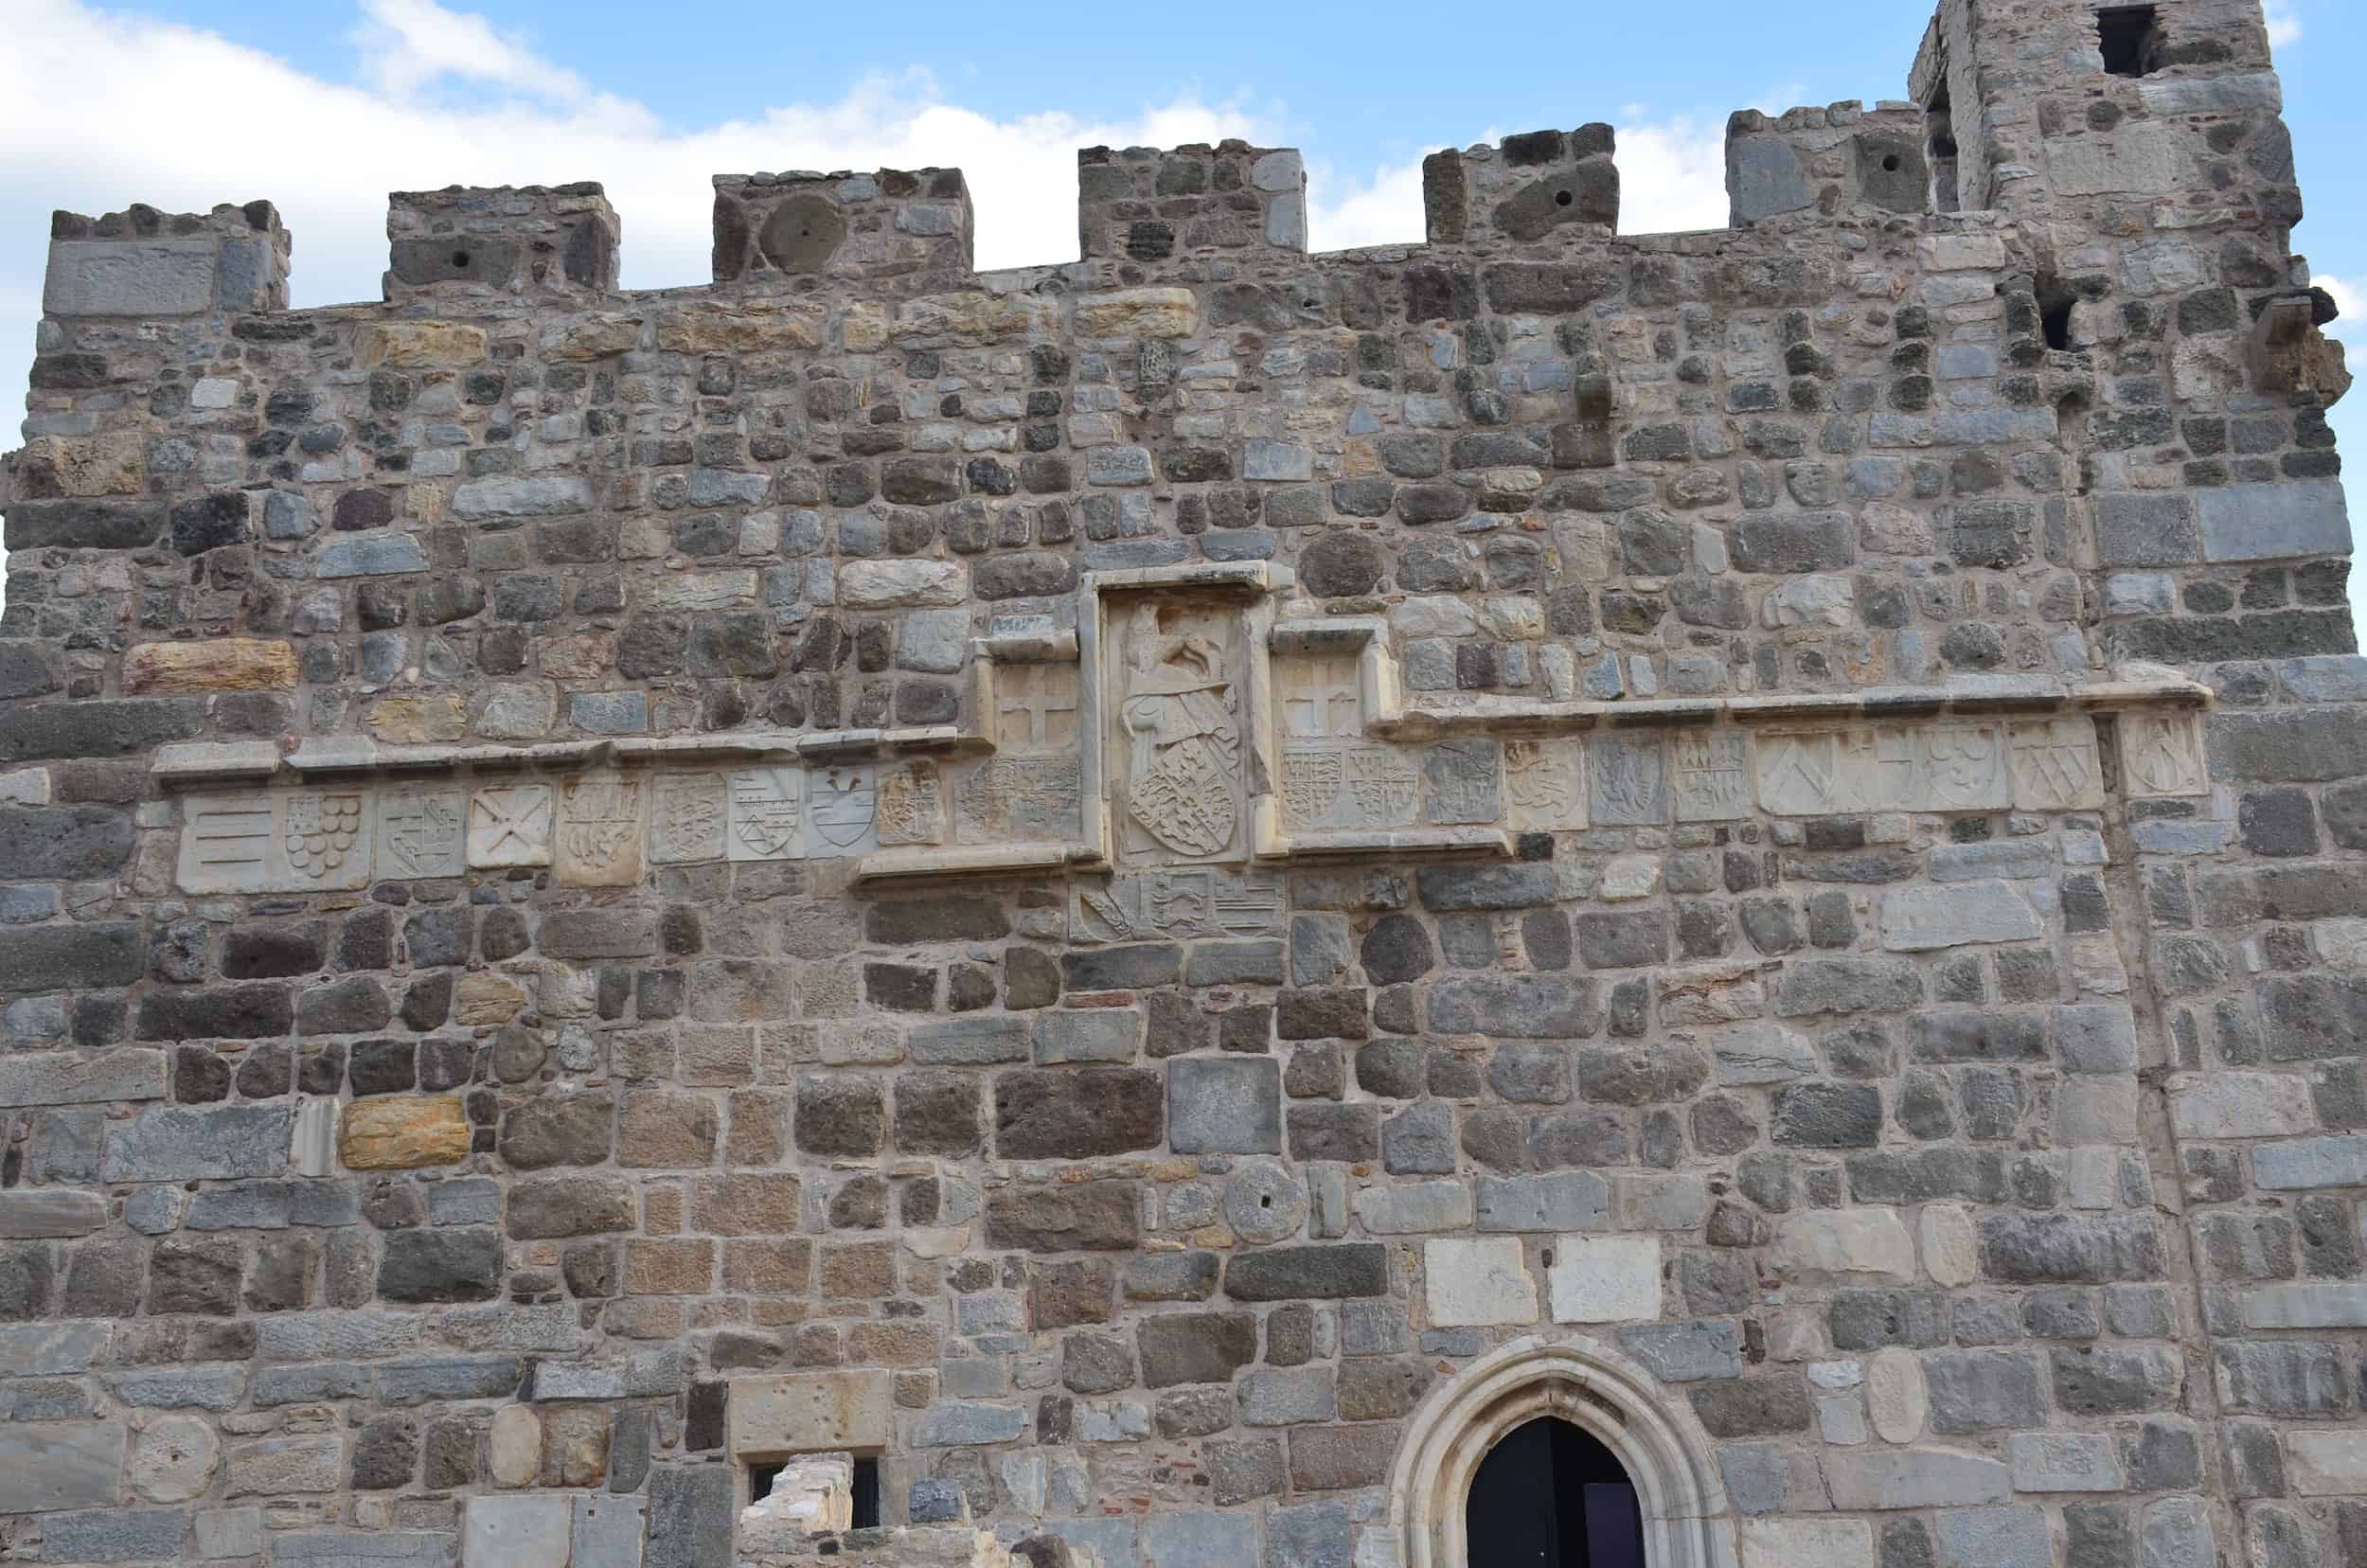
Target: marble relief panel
<point x="1708" y="774"/>
<point x="511" y="825"/>
<point x="765" y="814"/>
<point x="422" y="830"/>
<point x="911" y="805"/>
<point x="1177" y="683"/>
<point x="1036" y="709"/>
<point x="842" y="811"/>
<point x="2055" y="765"/>
<point x="2162" y="755"/>
<point x="688" y="817"/>
<point x="1183" y="904"/>
<point x="601" y="829"/>
<point x="276" y="841"/>
<point x="1545" y="785"/>
<point x="1629" y="779"/>
<point x="1019" y="799"/>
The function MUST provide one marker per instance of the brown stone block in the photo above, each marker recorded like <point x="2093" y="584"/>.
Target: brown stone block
<point x="575" y="1446"/>
<point x="224" y="664"/>
<point x="755" y="1138"/>
<point x="894" y="1344"/>
<point x="745" y="1203"/>
<point x="415" y="343"/>
<point x="1070" y="1292"/>
<point x="859" y="1270"/>
<point x="717" y="1057"/>
<point x="1335" y="1458"/>
<point x="660" y="1129"/>
<point x="419" y="717"/>
<point x="401" y="1133"/>
<point x="769" y="1268"/>
<point x="668" y="1267"/>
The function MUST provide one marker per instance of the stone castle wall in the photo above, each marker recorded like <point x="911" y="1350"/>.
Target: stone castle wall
<point x="1142" y="888"/>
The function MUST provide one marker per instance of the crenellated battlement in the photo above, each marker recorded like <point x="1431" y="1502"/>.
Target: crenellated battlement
<point x="143" y="262"/>
<point x="501" y="244"/>
<point x="1525" y="188"/>
<point x="906" y="227"/>
<point x="1817" y="163"/>
<point x="1147" y="207"/>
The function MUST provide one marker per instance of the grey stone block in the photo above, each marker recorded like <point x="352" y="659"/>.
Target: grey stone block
<point x="2293" y="519"/>
<point x="1218" y="1105"/>
<point x="1764" y="178"/>
<point x="1914" y="1478"/>
<point x="362" y="1549"/>
<point x="1982" y="1391"/>
<point x="1994" y="1538"/>
<point x="2147" y="528"/>
<point x="963" y="1424"/>
<point x="690" y="1518"/>
<point x="129" y="278"/>
<point x="1099" y="1034"/>
<point x="1686" y="1352"/>
<point x="181" y="1145"/>
<point x="113" y="1534"/>
<point x="69" y="1078"/>
<point x="49" y="1466"/>
<point x="1565" y="1201"/>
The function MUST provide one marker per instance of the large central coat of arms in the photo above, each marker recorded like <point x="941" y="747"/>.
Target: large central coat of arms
<point x="1181" y="718"/>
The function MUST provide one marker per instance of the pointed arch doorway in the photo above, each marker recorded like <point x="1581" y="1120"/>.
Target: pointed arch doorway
<point x="1550" y="1495"/>
<point x="1630" y="1427"/>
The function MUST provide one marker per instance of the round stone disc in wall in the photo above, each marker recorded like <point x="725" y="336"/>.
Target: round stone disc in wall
<point x="1264" y="1203"/>
<point x="173" y="1459"/>
<point x="802" y="234"/>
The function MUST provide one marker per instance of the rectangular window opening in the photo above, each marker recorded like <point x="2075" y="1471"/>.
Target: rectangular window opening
<point x="2131" y="37"/>
<point x="763" y="1473"/>
<point x="867" y="1485"/>
<point x="866" y="1493"/>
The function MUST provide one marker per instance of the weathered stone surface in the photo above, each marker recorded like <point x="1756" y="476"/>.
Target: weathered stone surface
<point x="1119" y="870"/>
<point x="1477" y="1283"/>
<point x="1914" y="1478"/>
<point x="391" y="1134"/>
<point x="47" y="1466"/>
<point x="62" y="1077"/>
<point x="179" y="1145"/>
<point x="1224" y="1105"/>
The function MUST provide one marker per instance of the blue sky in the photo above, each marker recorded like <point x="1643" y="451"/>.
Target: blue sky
<point x="324" y="106"/>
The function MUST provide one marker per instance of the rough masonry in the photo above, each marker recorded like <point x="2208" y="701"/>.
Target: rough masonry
<point x="1138" y="889"/>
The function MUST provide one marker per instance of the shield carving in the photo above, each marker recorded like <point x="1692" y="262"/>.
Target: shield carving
<point x="1184" y="754"/>
<point x="321" y="832"/>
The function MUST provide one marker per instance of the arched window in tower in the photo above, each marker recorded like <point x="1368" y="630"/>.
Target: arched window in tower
<point x="1550" y="1496"/>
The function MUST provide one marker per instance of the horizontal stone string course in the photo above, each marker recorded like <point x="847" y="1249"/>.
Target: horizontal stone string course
<point x="607" y="828"/>
<point x="1133" y="907"/>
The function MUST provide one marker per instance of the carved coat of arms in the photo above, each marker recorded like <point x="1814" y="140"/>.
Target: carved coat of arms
<point x="1183" y="725"/>
<point x="322" y="829"/>
<point x="601" y="819"/>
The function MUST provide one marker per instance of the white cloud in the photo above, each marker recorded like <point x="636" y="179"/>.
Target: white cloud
<point x="2285" y="25"/>
<point x="409" y="44"/>
<point x="100" y="110"/>
<point x="2347" y="300"/>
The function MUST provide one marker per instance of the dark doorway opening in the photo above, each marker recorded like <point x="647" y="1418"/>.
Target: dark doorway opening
<point x="764" y="1472"/>
<point x="2130" y="36"/>
<point x="1550" y="1496"/>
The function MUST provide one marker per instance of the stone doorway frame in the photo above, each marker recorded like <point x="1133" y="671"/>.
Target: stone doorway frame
<point x="1594" y="1388"/>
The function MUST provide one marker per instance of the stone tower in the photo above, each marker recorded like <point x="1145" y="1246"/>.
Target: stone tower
<point x="1120" y="913"/>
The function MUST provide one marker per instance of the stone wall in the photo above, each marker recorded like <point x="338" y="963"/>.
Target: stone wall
<point x="1139" y="888"/>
